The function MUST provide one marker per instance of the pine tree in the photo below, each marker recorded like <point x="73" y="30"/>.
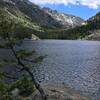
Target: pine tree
<point x="7" y="27"/>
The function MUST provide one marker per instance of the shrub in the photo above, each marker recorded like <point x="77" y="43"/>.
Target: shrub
<point x="24" y="85"/>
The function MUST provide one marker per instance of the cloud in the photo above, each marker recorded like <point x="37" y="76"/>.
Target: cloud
<point x="94" y="4"/>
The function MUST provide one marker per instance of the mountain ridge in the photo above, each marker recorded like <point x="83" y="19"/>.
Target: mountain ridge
<point x="66" y="20"/>
<point x="45" y="22"/>
<point x="44" y="19"/>
<point x="35" y="13"/>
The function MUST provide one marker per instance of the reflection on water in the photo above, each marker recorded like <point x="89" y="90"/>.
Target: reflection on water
<point x="76" y="63"/>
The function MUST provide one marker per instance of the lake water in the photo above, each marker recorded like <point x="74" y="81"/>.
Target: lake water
<point x="75" y="63"/>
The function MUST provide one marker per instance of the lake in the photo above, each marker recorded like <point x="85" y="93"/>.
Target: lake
<point x="74" y="63"/>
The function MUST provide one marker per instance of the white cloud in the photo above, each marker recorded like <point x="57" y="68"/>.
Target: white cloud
<point x="94" y="4"/>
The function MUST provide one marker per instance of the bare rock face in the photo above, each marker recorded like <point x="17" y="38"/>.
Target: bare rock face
<point x="64" y="19"/>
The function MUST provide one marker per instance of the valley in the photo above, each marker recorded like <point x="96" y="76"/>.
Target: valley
<point x="46" y="23"/>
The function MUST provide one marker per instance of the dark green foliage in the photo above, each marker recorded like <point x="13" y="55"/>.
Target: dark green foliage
<point x="39" y="59"/>
<point x="24" y="85"/>
<point x="4" y="94"/>
<point x="23" y="53"/>
<point x="3" y="88"/>
<point x="72" y="34"/>
<point x="2" y="75"/>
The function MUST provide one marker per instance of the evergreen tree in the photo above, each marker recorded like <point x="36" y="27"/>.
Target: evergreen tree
<point x="7" y="27"/>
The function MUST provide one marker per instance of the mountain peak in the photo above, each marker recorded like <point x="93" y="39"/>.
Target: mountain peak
<point x="50" y="10"/>
<point x="65" y="20"/>
<point x="46" y="17"/>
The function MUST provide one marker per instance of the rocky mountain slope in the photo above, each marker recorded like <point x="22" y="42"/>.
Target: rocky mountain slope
<point x="36" y="14"/>
<point x="93" y="26"/>
<point x="64" y="19"/>
<point x="9" y="12"/>
<point x="45" y="17"/>
<point x="95" y="18"/>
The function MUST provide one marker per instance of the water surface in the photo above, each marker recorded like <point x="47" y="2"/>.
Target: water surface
<point x="75" y="63"/>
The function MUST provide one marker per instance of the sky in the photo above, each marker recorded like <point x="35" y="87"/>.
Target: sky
<point x="82" y="8"/>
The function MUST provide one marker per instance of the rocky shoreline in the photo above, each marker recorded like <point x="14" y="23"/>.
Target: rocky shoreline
<point x="56" y="92"/>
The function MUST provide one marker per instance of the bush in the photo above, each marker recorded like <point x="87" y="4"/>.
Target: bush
<point x="3" y="88"/>
<point x="24" y="85"/>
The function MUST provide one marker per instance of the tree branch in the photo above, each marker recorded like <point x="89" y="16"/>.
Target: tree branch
<point x="38" y="87"/>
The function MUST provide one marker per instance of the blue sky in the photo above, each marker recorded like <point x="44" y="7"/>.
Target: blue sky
<point x="82" y="8"/>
